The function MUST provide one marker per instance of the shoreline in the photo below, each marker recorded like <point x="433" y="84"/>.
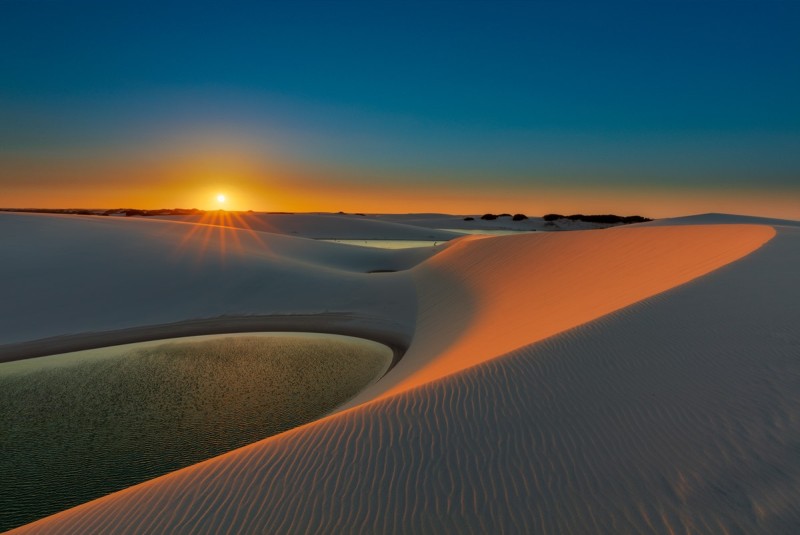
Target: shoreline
<point x="324" y="323"/>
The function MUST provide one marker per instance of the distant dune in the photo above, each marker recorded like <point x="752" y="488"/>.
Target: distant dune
<point x="723" y="219"/>
<point x="638" y="379"/>
<point x="69" y="275"/>
<point x="320" y="226"/>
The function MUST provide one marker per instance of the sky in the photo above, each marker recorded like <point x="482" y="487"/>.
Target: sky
<point x="646" y="107"/>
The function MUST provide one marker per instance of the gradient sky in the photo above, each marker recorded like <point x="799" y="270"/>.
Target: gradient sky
<point x="658" y="108"/>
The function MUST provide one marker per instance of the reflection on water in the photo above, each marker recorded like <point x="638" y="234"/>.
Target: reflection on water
<point x="487" y="232"/>
<point x="82" y="425"/>
<point x="390" y="244"/>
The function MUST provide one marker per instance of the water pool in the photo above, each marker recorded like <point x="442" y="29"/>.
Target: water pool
<point x="81" y="425"/>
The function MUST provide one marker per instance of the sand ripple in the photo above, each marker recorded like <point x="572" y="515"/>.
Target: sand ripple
<point x="678" y="414"/>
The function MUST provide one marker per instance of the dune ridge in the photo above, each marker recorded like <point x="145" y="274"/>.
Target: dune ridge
<point x="500" y="294"/>
<point x="722" y="219"/>
<point x="433" y="433"/>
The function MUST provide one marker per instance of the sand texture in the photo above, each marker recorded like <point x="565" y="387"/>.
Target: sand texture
<point x="631" y="380"/>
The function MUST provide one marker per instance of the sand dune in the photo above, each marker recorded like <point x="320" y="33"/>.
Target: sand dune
<point x="320" y="226"/>
<point x="482" y="298"/>
<point x="674" y="414"/>
<point x="722" y="219"/>
<point x="373" y="226"/>
<point x="69" y="275"/>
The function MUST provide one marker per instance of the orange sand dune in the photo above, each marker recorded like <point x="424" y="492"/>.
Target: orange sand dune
<point x="479" y="299"/>
<point x="483" y="298"/>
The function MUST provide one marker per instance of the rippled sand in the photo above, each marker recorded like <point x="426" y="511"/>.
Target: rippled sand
<point x="632" y="380"/>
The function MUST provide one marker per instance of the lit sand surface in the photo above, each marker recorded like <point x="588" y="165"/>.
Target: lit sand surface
<point x="634" y="380"/>
<point x="484" y="297"/>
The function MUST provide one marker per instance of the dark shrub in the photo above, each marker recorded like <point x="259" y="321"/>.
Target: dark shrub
<point x="552" y="217"/>
<point x="635" y="219"/>
<point x="606" y="219"/>
<point x="519" y="217"/>
<point x="489" y="217"/>
<point x="469" y="219"/>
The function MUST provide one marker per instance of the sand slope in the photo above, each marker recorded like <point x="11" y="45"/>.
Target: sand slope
<point x="320" y="226"/>
<point x="372" y="226"/>
<point x="482" y="298"/>
<point x="722" y="219"/>
<point x="673" y="414"/>
<point x="66" y="275"/>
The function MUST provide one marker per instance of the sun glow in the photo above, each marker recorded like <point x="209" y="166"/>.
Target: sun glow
<point x="220" y="198"/>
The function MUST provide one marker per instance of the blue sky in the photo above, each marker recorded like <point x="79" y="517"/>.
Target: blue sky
<point x="517" y="94"/>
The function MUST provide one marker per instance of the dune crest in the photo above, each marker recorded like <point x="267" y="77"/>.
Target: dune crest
<point x="480" y="299"/>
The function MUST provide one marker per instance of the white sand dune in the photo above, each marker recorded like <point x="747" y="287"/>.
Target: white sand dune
<point x="722" y="219"/>
<point x="638" y="379"/>
<point x="421" y="227"/>
<point x="66" y="275"/>
<point x="320" y="226"/>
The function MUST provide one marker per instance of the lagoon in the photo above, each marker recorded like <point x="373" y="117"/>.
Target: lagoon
<point x="390" y="244"/>
<point x="81" y="425"/>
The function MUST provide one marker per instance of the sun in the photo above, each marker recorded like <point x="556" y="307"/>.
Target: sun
<point x="220" y="198"/>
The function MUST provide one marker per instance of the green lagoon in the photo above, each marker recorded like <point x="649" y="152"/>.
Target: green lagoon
<point x="77" y="426"/>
